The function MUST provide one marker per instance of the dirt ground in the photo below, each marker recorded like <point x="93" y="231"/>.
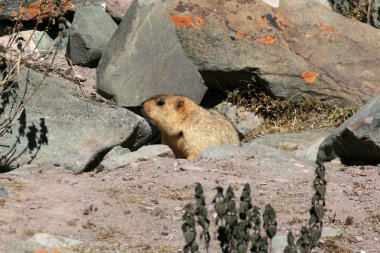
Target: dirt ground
<point x="139" y="208"/>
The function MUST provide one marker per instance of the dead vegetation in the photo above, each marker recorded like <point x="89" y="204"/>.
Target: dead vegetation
<point x="287" y="116"/>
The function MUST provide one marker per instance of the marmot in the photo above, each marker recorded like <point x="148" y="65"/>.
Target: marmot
<point x="186" y="127"/>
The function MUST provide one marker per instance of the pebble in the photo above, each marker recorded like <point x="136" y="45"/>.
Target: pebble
<point x="358" y="238"/>
<point x="190" y="168"/>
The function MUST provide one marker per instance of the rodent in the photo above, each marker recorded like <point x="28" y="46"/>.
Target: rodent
<point x="186" y="127"/>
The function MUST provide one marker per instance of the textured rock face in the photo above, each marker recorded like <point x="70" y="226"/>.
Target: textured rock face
<point x="293" y="55"/>
<point x="90" y="32"/>
<point x="33" y="10"/>
<point x="357" y="140"/>
<point x="118" y="8"/>
<point x="63" y="130"/>
<point x="144" y="58"/>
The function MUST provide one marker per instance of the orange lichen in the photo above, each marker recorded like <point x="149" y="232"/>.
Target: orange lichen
<point x="280" y="20"/>
<point x="54" y="250"/>
<point x="187" y="21"/>
<point x="326" y="27"/>
<point x="200" y="22"/>
<point x="309" y="76"/>
<point x="13" y="14"/>
<point x="37" y="10"/>
<point x="41" y="251"/>
<point x="329" y="29"/>
<point x="280" y="25"/>
<point x="279" y="15"/>
<point x="262" y="21"/>
<point x="267" y="40"/>
<point x="240" y="34"/>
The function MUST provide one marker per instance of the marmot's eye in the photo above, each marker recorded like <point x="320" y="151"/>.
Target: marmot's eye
<point x="160" y="102"/>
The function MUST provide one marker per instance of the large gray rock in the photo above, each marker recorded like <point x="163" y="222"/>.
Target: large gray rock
<point x="226" y="49"/>
<point x="144" y="58"/>
<point x="90" y="32"/>
<point x="357" y="140"/>
<point x="61" y="129"/>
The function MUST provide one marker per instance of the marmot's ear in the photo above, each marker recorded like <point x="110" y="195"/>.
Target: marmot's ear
<point x="179" y="104"/>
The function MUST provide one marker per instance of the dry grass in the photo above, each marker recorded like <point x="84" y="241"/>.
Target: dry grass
<point x="283" y="116"/>
<point x="175" y="195"/>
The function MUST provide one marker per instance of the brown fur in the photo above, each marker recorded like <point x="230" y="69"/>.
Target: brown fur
<point x="186" y="127"/>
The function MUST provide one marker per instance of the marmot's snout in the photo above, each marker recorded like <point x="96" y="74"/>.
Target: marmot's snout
<point x="144" y="109"/>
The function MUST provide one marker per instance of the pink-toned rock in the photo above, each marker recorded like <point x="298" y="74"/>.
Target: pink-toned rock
<point x="118" y="8"/>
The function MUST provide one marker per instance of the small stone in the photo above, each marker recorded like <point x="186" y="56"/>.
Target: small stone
<point x="190" y="168"/>
<point x="331" y="232"/>
<point x="358" y="238"/>
<point x="4" y="193"/>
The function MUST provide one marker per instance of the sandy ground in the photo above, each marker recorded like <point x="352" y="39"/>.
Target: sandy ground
<point x="139" y="208"/>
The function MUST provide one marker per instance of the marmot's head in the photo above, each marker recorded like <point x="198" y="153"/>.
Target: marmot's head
<point x="167" y="112"/>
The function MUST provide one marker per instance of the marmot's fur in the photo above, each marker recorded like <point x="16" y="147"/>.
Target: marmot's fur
<point x="186" y="127"/>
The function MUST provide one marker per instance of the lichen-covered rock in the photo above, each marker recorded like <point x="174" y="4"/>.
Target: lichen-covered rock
<point x="37" y="9"/>
<point x="301" y="50"/>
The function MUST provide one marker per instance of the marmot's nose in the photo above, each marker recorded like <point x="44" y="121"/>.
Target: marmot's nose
<point x="142" y="108"/>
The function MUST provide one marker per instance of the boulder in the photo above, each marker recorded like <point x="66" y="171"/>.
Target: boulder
<point x="120" y="160"/>
<point x="300" y="50"/>
<point x="90" y="32"/>
<point x="58" y="128"/>
<point x="144" y="58"/>
<point x="118" y="8"/>
<point x="357" y="140"/>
